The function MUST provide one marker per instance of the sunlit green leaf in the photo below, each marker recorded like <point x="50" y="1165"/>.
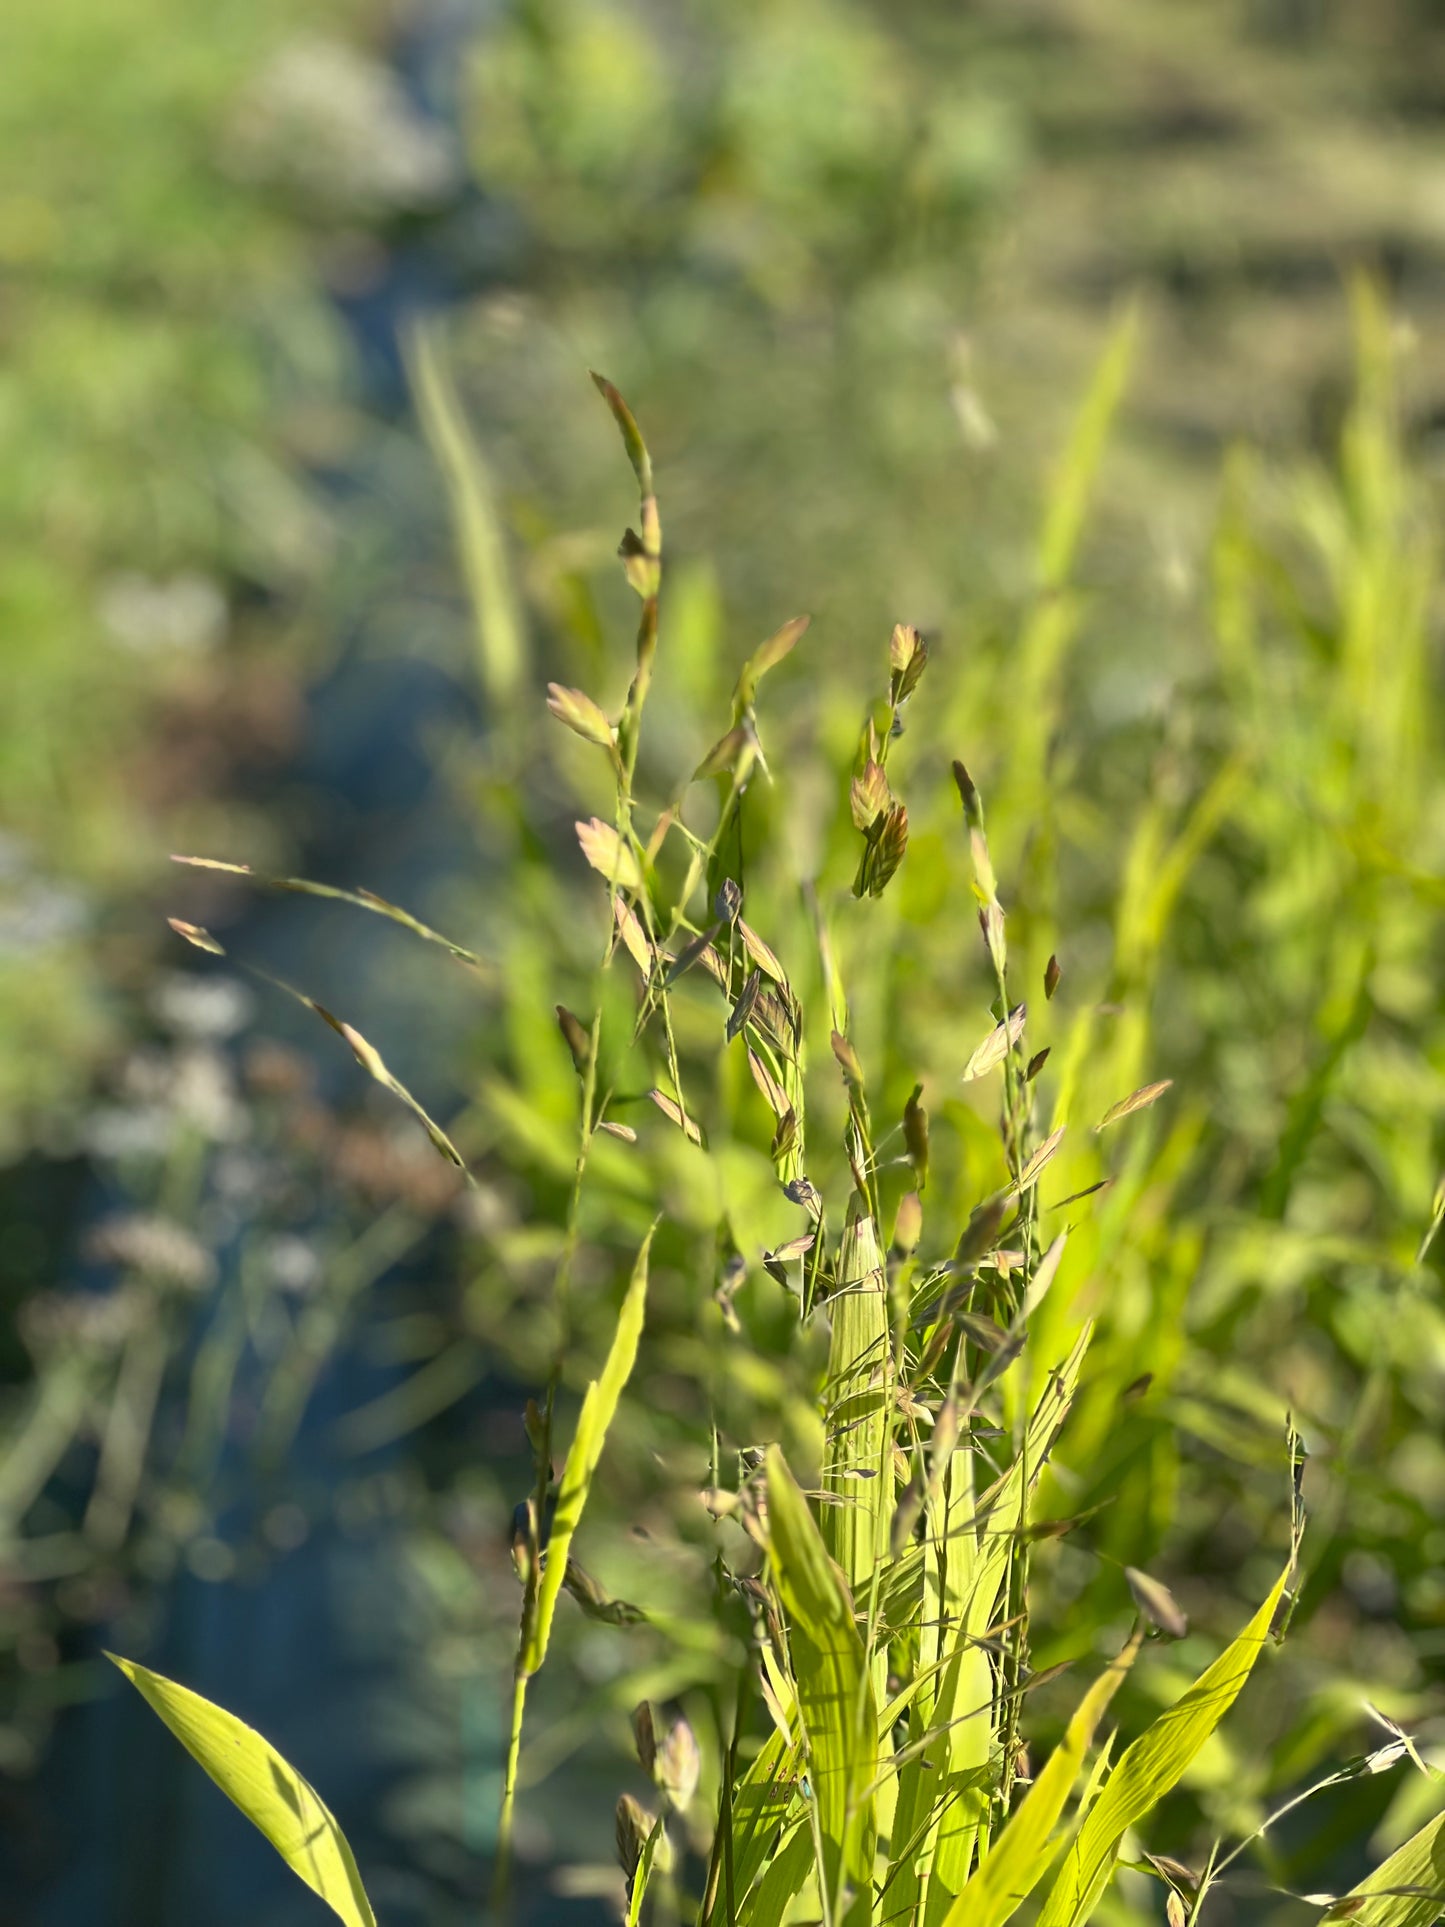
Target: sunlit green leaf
<point x="1018" y="1858"/>
<point x="266" y="1788"/>
<point x="1151" y="1768"/>
<point x="1407" y="1890"/>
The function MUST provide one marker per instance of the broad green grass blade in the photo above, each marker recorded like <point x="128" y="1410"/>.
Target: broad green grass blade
<point x="965" y="1562"/>
<point x="980" y="1542"/>
<point x="761" y="1800"/>
<point x="1407" y="1890"/>
<point x="855" y="1471"/>
<point x="1018" y="1858"/>
<point x="1003" y="1511"/>
<point x="835" y="1693"/>
<point x="788" y="1873"/>
<point x="272" y="1794"/>
<point x="598" y="1409"/>
<point x="965" y="1696"/>
<point x="1151" y="1768"/>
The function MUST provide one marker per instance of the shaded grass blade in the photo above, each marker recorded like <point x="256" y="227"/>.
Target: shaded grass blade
<point x="835" y="1694"/>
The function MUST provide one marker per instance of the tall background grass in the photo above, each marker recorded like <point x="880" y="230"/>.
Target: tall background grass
<point x="1099" y="342"/>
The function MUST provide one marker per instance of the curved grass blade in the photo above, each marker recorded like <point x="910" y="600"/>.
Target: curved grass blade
<point x="267" y="1789"/>
<point x="1407" y="1890"/>
<point x="359" y="899"/>
<point x="598" y="1409"/>
<point x="367" y="1055"/>
<point x="1018" y="1858"/>
<point x="787" y="1875"/>
<point x="1152" y="1767"/>
<point x="761" y="1801"/>
<point x="943" y="1794"/>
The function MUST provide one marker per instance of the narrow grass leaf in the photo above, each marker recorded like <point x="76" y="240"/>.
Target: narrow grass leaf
<point x="642" y="1873"/>
<point x="194" y="934"/>
<point x="371" y="1060"/>
<point x="767" y="656"/>
<point x="675" y="1114"/>
<point x="631" y="433"/>
<point x="1035" y="1166"/>
<point x="366" y="1054"/>
<point x="480" y="534"/>
<point x="598" y="1410"/>
<point x="761" y="1801"/>
<point x="787" y="1873"/>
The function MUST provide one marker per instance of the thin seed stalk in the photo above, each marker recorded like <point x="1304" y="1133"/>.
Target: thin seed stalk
<point x="625" y="765"/>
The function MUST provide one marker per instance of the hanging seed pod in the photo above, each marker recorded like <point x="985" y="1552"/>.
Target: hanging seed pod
<point x="1156" y="1603"/>
<point x="915" y="1135"/>
<point x="678" y="1765"/>
<point x="644" y="1737"/>
<point x="908" y="1225"/>
<point x="577" y="1037"/>
<point x="633" y="1824"/>
<point x="907" y="660"/>
<point x="580" y="714"/>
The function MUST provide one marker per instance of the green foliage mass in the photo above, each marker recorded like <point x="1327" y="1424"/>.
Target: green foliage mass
<point x="1031" y="1045"/>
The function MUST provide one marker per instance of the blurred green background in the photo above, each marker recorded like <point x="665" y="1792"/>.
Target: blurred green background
<point x="304" y="497"/>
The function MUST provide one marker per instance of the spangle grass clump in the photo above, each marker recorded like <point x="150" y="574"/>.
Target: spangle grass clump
<point x="870" y="1756"/>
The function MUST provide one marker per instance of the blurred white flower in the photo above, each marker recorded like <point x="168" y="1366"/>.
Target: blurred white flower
<point x="324" y="120"/>
<point x="158" y="1247"/>
<point x="185" y="614"/>
<point x="118" y="1131"/>
<point x="295" y="1265"/>
<point x="203" y="1093"/>
<point x="38" y="915"/>
<point x="239" y="1176"/>
<point x="202" y="1007"/>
